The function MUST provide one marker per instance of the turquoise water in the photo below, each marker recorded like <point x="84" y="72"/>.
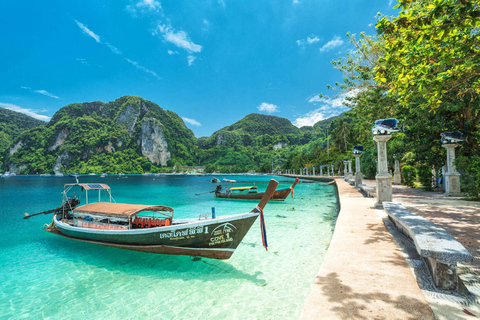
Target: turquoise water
<point x="46" y="276"/>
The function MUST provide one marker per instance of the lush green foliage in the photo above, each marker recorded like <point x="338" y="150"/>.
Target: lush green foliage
<point x="471" y="177"/>
<point x="409" y="175"/>
<point x="12" y="124"/>
<point x="425" y="176"/>
<point x="432" y="52"/>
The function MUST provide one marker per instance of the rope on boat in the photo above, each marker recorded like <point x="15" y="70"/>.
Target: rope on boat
<point x="263" y="229"/>
<point x="51" y="225"/>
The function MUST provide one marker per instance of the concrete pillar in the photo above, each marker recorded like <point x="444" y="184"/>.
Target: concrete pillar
<point x="444" y="170"/>
<point x="383" y="177"/>
<point x="321" y="170"/>
<point x="345" y="171"/>
<point x="397" y="176"/>
<point x="451" y="177"/>
<point x="350" y="174"/>
<point x="333" y="173"/>
<point x="358" y="173"/>
<point x="313" y="170"/>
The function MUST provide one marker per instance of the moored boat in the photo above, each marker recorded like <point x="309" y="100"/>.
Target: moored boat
<point x="251" y="193"/>
<point x="150" y="228"/>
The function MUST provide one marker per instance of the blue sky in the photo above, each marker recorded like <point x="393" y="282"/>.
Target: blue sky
<point x="211" y="62"/>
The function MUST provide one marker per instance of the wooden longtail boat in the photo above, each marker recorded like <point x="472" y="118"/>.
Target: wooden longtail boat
<point x="251" y="193"/>
<point x="150" y="228"/>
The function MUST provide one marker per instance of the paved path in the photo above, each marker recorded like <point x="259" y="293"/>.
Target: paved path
<point x="458" y="217"/>
<point x="364" y="274"/>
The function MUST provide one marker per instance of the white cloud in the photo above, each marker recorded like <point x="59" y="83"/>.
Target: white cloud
<point x="113" y="49"/>
<point x="191" y="59"/>
<point x="149" y="4"/>
<point x="178" y="38"/>
<point x="29" y="112"/>
<point x="310" y="40"/>
<point x="88" y="31"/>
<point x="327" y="108"/>
<point x="222" y="3"/>
<point x="44" y="92"/>
<point x="315" y="98"/>
<point x="335" y="42"/>
<point x="134" y="63"/>
<point x="309" y="119"/>
<point x="170" y="52"/>
<point x="313" y="40"/>
<point x="192" y="122"/>
<point x="144" y="6"/>
<point x="268" y="107"/>
<point x="296" y="2"/>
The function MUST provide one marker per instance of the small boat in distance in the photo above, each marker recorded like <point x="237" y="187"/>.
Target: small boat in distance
<point x="150" y="228"/>
<point x="251" y="193"/>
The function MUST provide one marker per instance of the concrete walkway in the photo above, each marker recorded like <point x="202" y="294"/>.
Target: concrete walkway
<point x="364" y="274"/>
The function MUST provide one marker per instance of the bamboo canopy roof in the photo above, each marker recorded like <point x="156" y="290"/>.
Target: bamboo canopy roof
<point x="118" y="209"/>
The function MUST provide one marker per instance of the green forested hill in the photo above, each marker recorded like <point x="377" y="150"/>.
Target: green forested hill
<point x="133" y="135"/>
<point x="12" y="124"/>
<point x="129" y="134"/>
<point x="252" y="143"/>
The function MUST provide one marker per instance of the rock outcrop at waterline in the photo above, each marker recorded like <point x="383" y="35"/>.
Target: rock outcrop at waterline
<point x="129" y="134"/>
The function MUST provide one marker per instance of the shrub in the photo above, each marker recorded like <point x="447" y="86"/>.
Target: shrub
<point x="470" y="180"/>
<point x="425" y="176"/>
<point x="409" y="174"/>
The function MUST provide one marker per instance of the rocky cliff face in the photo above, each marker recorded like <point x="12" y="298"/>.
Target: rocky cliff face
<point x="62" y="136"/>
<point x="128" y="118"/>
<point x="153" y="142"/>
<point x="61" y="162"/>
<point x="16" y="147"/>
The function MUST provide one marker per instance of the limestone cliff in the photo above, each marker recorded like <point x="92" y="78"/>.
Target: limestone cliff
<point x="153" y="142"/>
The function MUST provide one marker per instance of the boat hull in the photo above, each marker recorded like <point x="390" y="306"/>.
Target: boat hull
<point x="211" y="238"/>
<point x="280" y="195"/>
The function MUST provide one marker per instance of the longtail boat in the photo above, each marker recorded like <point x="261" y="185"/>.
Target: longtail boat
<point x="251" y="193"/>
<point x="150" y="228"/>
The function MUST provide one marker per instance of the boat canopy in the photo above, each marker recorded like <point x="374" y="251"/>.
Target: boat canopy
<point x="94" y="186"/>
<point x="244" y="188"/>
<point x="118" y="209"/>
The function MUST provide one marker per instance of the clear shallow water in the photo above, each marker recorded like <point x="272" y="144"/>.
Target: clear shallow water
<point x="46" y="276"/>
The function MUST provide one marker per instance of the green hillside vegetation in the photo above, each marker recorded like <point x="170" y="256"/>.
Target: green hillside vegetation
<point x="101" y="137"/>
<point x="12" y="124"/>
<point x="252" y="144"/>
